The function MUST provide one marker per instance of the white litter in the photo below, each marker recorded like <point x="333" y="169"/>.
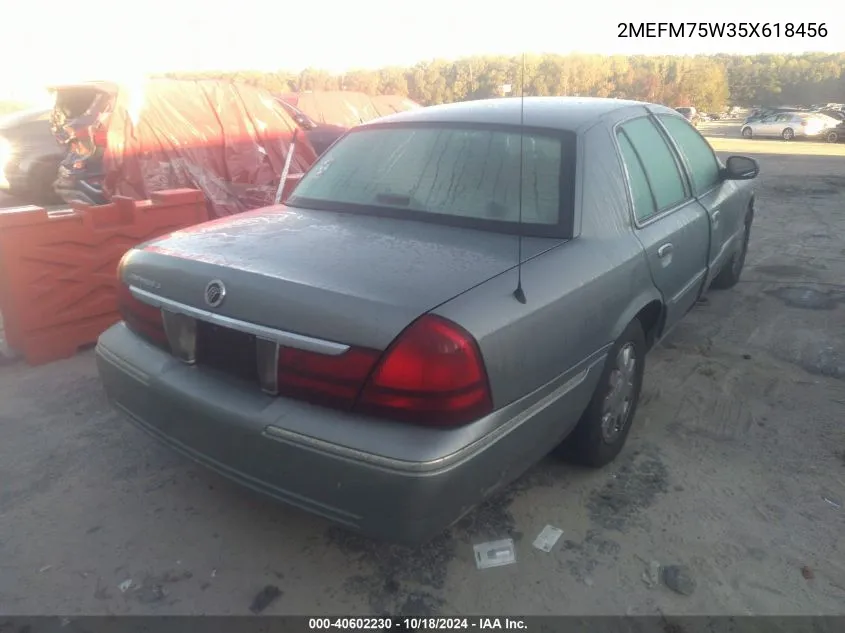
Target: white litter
<point x="833" y="503"/>
<point x="494" y="553"/>
<point x="546" y="539"/>
<point x="651" y="576"/>
<point x="45" y="568"/>
<point x="125" y="586"/>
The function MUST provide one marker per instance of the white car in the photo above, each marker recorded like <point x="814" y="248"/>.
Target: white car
<point x="789" y="125"/>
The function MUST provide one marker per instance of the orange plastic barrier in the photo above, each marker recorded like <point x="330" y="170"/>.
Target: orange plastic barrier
<point x="58" y="269"/>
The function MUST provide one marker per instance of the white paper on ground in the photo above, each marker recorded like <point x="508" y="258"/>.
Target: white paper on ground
<point x="546" y="539"/>
<point x="494" y="553"/>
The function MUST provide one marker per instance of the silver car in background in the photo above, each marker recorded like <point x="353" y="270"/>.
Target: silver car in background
<point x="789" y="125"/>
<point x="375" y="351"/>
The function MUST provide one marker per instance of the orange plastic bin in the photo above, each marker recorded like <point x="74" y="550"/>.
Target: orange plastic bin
<point x="58" y="283"/>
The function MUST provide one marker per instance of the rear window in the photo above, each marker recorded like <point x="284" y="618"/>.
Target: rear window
<point x="468" y="176"/>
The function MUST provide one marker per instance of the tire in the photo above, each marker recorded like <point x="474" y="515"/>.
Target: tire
<point x="747" y="133"/>
<point x="729" y="276"/>
<point x="788" y="134"/>
<point x="590" y="444"/>
<point x="832" y="137"/>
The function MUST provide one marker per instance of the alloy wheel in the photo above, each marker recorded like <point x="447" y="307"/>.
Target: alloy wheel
<point x="620" y="396"/>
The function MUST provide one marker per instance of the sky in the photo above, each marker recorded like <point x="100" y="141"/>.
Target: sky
<point x="42" y="42"/>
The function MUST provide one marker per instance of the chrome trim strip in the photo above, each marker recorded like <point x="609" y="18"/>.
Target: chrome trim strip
<point x="443" y="463"/>
<point x="288" y="339"/>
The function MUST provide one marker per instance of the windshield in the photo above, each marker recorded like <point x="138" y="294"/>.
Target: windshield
<point x="456" y="175"/>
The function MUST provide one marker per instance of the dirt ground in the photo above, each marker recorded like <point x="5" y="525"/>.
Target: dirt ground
<point x="735" y="468"/>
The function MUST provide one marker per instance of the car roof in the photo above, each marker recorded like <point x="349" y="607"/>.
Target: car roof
<point x="564" y="113"/>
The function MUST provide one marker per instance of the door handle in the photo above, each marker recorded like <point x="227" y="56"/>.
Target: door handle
<point x="716" y="215"/>
<point x="665" y="250"/>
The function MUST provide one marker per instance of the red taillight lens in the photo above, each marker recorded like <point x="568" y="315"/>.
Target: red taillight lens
<point x="432" y="374"/>
<point x="143" y="319"/>
<point x="328" y="380"/>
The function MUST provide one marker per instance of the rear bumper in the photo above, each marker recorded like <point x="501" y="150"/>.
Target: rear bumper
<point x="407" y="486"/>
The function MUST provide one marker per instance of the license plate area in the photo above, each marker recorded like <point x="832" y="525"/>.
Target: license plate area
<point x="228" y="351"/>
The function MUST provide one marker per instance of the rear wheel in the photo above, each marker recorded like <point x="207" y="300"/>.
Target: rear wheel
<point x="788" y="134"/>
<point x="603" y="428"/>
<point x="747" y="133"/>
<point x="832" y="137"/>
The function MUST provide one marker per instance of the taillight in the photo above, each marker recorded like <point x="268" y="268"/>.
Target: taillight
<point x="143" y="319"/>
<point x="432" y="374"/>
<point x="324" y="379"/>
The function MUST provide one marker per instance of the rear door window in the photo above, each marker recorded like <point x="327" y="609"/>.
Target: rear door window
<point x="658" y="161"/>
<point x="642" y="198"/>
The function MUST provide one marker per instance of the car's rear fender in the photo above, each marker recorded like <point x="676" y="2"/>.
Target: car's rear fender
<point x="647" y="306"/>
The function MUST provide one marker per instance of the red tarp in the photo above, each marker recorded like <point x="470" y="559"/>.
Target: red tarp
<point x="338" y="107"/>
<point x="228" y="140"/>
<point x="347" y="108"/>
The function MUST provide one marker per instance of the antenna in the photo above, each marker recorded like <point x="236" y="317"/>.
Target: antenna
<point x="519" y="294"/>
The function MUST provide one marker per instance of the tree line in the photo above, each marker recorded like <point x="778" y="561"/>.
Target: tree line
<point x="709" y="82"/>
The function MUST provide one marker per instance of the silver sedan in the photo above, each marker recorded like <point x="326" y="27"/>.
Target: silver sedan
<point x="450" y="294"/>
<point x="789" y="125"/>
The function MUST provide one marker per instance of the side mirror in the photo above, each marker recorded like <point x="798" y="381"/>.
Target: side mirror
<point x="740" y="168"/>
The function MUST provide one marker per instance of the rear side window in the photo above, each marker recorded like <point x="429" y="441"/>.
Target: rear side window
<point x="703" y="165"/>
<point x="640" y="190"/>
<point x="445" y="173"/>
<point x="657" y="161"/>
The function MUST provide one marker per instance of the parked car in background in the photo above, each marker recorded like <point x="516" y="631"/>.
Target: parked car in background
<point x="375" y="351"/>
<point x="839" y="115"/>
<point x="789" y="125"/>
<point x="29" y="157"/>
<point x="762" y="113"/>
<point x="690" y="114"/>
<point x="835" y="134"/>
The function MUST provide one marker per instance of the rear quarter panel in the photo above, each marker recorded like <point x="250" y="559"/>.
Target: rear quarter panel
<point x="580" y="295"/>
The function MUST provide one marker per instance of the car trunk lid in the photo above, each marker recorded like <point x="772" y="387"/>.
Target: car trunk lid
<point x="348" y="278"/>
